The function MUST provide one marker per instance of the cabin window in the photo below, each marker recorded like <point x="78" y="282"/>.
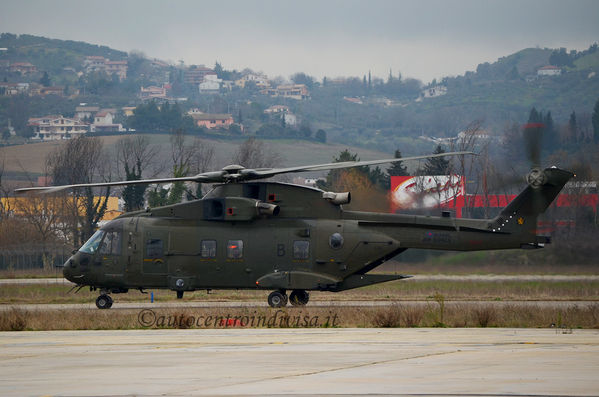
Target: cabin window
<point x="336" y="241"/>
<point x="154" y="248"/>
<point x="208" y="249"/>
<point x="301" y="249"/>
<point x="111" y="244"/>
<point x="235" y="249"/>
<point x="91" y="246"/>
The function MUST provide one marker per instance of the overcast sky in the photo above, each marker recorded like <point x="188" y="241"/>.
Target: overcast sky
<point x="421" y="39"/>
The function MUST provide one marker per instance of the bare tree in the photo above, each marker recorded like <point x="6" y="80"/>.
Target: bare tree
<point x="256" y="154"/>
<point x="81" y="160"/>
<point x="134" y="156"/>
<point x="186" y="158"/>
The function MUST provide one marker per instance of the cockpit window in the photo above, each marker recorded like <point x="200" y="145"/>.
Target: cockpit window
<point x="91" y="246"/>
<point x="111" y="244"/>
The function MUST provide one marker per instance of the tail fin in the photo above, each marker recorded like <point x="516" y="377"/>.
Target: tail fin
<point x="520" y="216"/>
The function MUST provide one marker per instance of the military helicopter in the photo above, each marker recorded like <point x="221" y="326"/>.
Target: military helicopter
<point x="251" y="234"/>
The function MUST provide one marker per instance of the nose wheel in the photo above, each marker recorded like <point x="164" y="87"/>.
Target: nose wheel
<point x="104" y="301"/>
<point x="277" y="299"/>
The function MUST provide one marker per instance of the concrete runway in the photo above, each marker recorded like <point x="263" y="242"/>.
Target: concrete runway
<point x="423" y="362"/>
<point x="422" y="277"/>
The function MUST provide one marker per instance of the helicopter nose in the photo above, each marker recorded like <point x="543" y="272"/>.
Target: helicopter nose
<point x="69" y="271"/>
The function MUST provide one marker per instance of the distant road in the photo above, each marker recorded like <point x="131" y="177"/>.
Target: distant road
<point x="423" y="277"/>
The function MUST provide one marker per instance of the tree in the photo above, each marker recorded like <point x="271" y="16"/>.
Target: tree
<point x="321" y="136"/>
<point x="81" y="160"/>
<point x="376" y="176"/>
<point x="253" y="153"/>
<point x="302" y="78"/>
<point x="181" y="158"/>
<point x="437" y="165"/>
<point x="134" y="155"/>
<point x="573" y="128"/>
<point x="397" y="168"/>
<point x="595" y="121"/>
<point x="45" y="80"/>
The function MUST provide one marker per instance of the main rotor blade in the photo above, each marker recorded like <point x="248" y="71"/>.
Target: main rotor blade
<point x="259" y="174"/>
<point x="533" y="139"/>
<point x="205" y="177"/>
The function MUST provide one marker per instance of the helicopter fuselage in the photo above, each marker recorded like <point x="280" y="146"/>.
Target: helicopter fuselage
<point x="276" y="236"/>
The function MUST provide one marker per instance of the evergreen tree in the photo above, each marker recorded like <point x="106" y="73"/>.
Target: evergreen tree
<point x="134" y="194"/>
<point x="573" y="128"/>
<point x="550" y="134"/>
<point x="321" y="136"/>
<point x="45" y="80"/>
<point x="534" y="116"/>
<point x="398" y="168"/>
<point x="437" y="165"/>
<point x="595" y="120"/>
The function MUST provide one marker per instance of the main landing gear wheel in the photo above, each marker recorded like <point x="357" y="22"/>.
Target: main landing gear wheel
<point x="104" y="302"/>
<point x="277" y="299"/>
<point x="299" y="297"/>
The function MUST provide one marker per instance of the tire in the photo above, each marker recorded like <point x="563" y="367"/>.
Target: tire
<point x="299" y="297"/>
<point x="277" y="299"/>
<point x="104" y="302"/>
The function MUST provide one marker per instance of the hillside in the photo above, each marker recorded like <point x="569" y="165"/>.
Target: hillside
<point x="22" y="162"/>
<point x="382" y="114"/>
<point x="52" y="55"/>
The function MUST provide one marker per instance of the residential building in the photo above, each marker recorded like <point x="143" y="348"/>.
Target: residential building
<point x="211" y="121"/>
<point x="117" y="67"/>
<point x="210" y="85"/>
<point x="128" y="111"/>
<point x="59" y="91"/>
<point x="293" y="91"/>
<point x="260" y="80"/>
<point x="152" y="92"/>
<point x="433" y="92"/>
<point x="104" y="116"/>
<point x="22" y="67"/>
<point x="93" y="63"/>
<point x="549" y="70"/>
<point x="9" y="89"/>
<point x="355" y="100"/>
<point x="100" y="64"/>
<point x="86" y="112"/>
<point x="196" y="74"/>
<point x="290" y="119"/>
<point x="104" y="122"/>
<point x="276" y="109"/>
<point x="55" y="127"/>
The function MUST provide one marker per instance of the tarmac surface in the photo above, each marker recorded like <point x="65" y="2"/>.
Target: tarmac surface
<point x="422" y="361"/>
<point x="422" y="277"/>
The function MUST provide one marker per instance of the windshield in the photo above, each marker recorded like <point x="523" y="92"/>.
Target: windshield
<point x="92" y="244"/>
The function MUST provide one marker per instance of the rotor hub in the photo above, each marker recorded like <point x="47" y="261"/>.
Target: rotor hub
<point x="536" y="178"/>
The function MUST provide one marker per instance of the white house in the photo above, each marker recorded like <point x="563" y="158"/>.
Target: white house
<point x="104" y="122"/>
<point x="83" y="112"/>
<point x="210" y="85"/>
<point x="56" y="127"/>
<point x="290" y="119"/>
<point x="549" y="70"/>
<point x="435" y="91"/>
